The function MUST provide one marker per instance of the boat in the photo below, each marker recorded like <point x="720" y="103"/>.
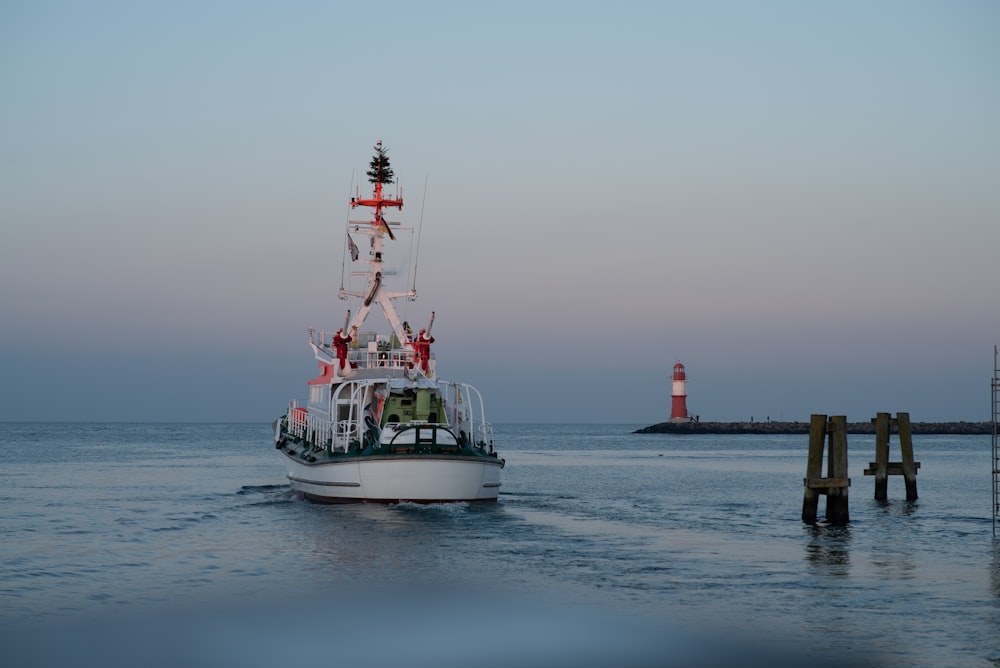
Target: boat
<point x="379" y="425"/>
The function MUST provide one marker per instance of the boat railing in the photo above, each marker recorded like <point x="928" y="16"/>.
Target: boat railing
<point x="371" y="354"/>
<point x="307" y="426"/>
<point x="486" y="431"/>
<point x="465" y="409"/>
<point x="386" y="357"/>
<point x="351" y="428"/>
<point x="347" y="428"/>
<point x="468" y="414"/>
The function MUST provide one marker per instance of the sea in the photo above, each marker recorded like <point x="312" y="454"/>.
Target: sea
<point x="128" y="544"/>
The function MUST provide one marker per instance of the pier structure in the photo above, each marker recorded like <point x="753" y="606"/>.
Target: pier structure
<point x="835" y="485"/>
<point x="882" y="468"/>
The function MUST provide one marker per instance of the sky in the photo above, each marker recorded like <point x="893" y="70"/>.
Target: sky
<point x="800" y="202"/>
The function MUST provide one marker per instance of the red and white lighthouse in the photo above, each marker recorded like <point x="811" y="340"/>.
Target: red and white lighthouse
<point x="678" y="396"/>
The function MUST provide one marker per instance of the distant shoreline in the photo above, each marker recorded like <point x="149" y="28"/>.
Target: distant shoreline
<point x="952" y="428"/>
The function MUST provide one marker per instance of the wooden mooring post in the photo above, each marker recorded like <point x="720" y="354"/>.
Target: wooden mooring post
<point x="836" y="482"/>
<point x="882" y="468"/>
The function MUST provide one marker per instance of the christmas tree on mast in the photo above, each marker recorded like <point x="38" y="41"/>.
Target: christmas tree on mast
<point x="379" y="170"/>
<point x="379" y="173"/>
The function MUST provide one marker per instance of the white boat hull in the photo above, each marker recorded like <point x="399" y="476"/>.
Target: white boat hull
<point x="391" y="479"/>
<point x="379" y="425"/>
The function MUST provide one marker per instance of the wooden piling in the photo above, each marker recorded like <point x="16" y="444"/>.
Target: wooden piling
<point x="814" y="467"/>
<point x="835" y="485"/>
<point x="881" y="471"/>
<point x="882" y="468"/>
<point x="906" y="449"/>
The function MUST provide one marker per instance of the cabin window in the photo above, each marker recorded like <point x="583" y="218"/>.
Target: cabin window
<point x="319" y="394"/>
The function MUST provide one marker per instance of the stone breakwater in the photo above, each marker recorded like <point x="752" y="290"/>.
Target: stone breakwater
<point x="955" y="428"/>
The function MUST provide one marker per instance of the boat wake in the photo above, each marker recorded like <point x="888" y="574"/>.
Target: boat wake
<point x="268" y="495"/>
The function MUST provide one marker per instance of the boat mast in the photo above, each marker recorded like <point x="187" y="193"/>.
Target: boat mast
<point x="379" y="173"/>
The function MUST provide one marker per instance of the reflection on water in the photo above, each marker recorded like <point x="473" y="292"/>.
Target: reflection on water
<point x="897" y="507"/>
<point x="893" y="557"/>
<point x="995" y="572"/>
<point x="828" y="550"/>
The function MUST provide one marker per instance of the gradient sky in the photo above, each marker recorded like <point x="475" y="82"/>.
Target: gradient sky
<point x="797" y="200"/>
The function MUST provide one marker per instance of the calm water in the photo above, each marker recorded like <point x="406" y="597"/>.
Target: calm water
<point x="182" y="545"/>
